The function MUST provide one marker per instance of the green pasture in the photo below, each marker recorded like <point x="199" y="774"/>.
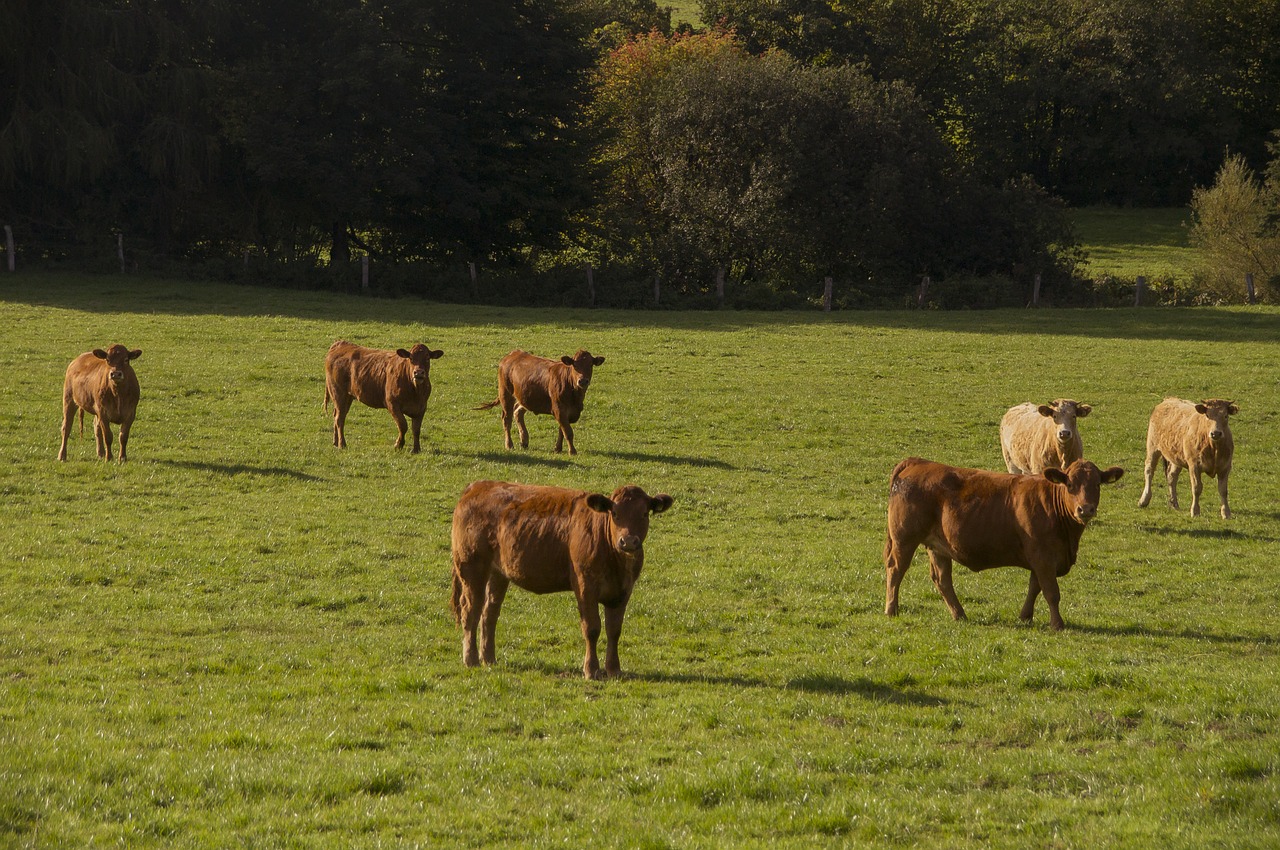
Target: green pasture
<point x="1125" y="243"/>
<point x="241" y="638"/>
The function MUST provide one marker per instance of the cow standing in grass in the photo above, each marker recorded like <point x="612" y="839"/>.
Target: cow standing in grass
<point x="535" y="384"/>
<point x="102" y="383"/>
<point x="548" y="540"/>
<point x="1195" y="437"/>
<point x="399" y="381"/>
<point x="990" y="519"/>
<point x="1034" y="437"/>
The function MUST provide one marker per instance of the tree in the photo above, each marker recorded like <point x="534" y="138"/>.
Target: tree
<point x="1236" y="226"/>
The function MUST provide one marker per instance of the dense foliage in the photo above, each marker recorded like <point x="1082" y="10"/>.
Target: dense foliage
<point x="795" y="139"/>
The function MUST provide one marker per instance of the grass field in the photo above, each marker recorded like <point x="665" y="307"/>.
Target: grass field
<point x="1126" y="243"/>
<point x="241" y="637"/>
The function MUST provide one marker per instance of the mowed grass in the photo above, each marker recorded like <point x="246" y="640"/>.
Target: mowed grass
<point x="241" y="637"/>
<point x="1126" y="243"/>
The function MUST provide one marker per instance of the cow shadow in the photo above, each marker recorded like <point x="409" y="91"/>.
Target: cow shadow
<point x="521" y="458"/>
<point x="1137" y="630"/>
<point x="676" y="460"/>
<point x="241" y="469"/>
<point x="1208" y="533"/>
<point x="866" y="688"/>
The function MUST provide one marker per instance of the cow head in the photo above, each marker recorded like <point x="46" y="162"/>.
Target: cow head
<point x="582" y="363"/>
<point x="420" y="361"/>
<point x="628" y="511"/>
<point x="117" y="357"/>
<point x="1064" y="412"/>
<point x="1217" y="410"/>
<point x="1082" y="482"/>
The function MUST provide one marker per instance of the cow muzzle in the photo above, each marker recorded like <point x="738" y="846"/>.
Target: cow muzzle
<point x="630" y="544"/>
<point x="1216" y="435"/>
<point x="117" y="375"/>
<point x="419" y="377"/>
<point x="1086" y="512"/>
<point x="1064" y="436"/>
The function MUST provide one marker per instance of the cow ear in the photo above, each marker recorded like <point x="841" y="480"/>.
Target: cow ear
<point x="436" y="355"/>
<point x="1112" y="475"/>
<point x="1045" y="410"/>
<point x="1083" y="410"/>
<point x="1232" y="408"/>
<point x="598" y="361"/>
<point x="566" y="360"/>
<point x="1057" y="476"/>
<point x="598" y="502"/>
<point x="100" y="354"/>
<point x="135" y="354"/>
<point x="1200" y="408"/>
<point x="403" y="353"/>
<point x="660" y="503"/>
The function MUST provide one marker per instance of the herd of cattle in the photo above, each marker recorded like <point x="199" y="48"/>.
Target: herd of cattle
<point x="550" y="539"/>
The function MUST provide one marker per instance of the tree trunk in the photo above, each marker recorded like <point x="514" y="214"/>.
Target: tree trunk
<point x="340" y="249"/>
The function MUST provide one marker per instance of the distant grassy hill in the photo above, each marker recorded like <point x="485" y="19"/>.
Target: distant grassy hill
<point x="1131" y="242"/>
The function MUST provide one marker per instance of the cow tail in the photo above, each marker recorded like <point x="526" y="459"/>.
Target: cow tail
<point x="325" y="406"/>
<point x="455" y="599"/>
<point x="490" y="404"/>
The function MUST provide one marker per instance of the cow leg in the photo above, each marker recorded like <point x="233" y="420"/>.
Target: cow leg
<point x="524" y="432"/>
<point x="897" y="557"/>
<point x="124" y="438"/>
<point x="341" y="404"/>
<point x="104" y="438"/>
<point x="1047" y="577"/>
<point x="473" y="593"/>
<point x="68" y="416"/>
<point x="1222" y="494"/>
<point x="1029" y="607"/>
<point x="566" y="433"/>
<point x="613" y="633"/>
<point x="1197" y="487"/>
<point x="495" y="592"/>
<point x="508" y="410"/>
<point x="1148" y="472"/>
<point x="940" y="571"/>
<point x="402" y="426"/>
<point x="1171" y="472"/>
<point x="416" y="422"/>
<point x="589" y="614"/>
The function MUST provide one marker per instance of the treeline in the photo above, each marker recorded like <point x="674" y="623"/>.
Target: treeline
<point x="553" y="143"/>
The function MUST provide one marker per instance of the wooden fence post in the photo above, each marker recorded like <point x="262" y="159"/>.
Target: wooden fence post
<point x="924" y="290"/>
<point x="720" y="285"/>
<point x="591" y="286"/>
<point x="1035" y="292"/>
<point x="1139" y="285"/>
<point x="475" y="284"/>
<point x="1248" y="284"/>
<point x="8" y="244"/>
<point x="120" y="249"/>
<point x="826" y="294"/>
<point x="364" y="273"/>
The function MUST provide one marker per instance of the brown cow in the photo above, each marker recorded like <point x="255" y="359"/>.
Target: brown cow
<point x="539" y="385"/>
<point x="399" y="381"/>
<point x="1035" y="437"/>
<point x="989" y="519"/>
<point x="546" y="540"/>
<point x="104" y="384"/>
<point x="1193" y="436"/>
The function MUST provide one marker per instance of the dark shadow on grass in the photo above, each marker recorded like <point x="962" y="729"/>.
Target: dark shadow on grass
<point x="241" y="469"/>
<point x="1208" y="533"/>
<point x="864" y="687"/>
<point x="520" y="458"/>
<point x="1138" y="630"/>
<point x="672" y="459"/>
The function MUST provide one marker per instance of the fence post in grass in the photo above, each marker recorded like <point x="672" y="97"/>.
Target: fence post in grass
<point x="924" y="290"/>
<point x="475" y="284"/>
<point x="720" y="285"/>
<point x="1035" y="291"/>
<point x="120" y="249"/>
<point x="591" y="286"/>
<point x="826" y="294"/>
<point x="1139" y="285"/>
<point x="364" y="273"/>
<point x="1248" y="285"/>
<point x="8" y="245"/>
